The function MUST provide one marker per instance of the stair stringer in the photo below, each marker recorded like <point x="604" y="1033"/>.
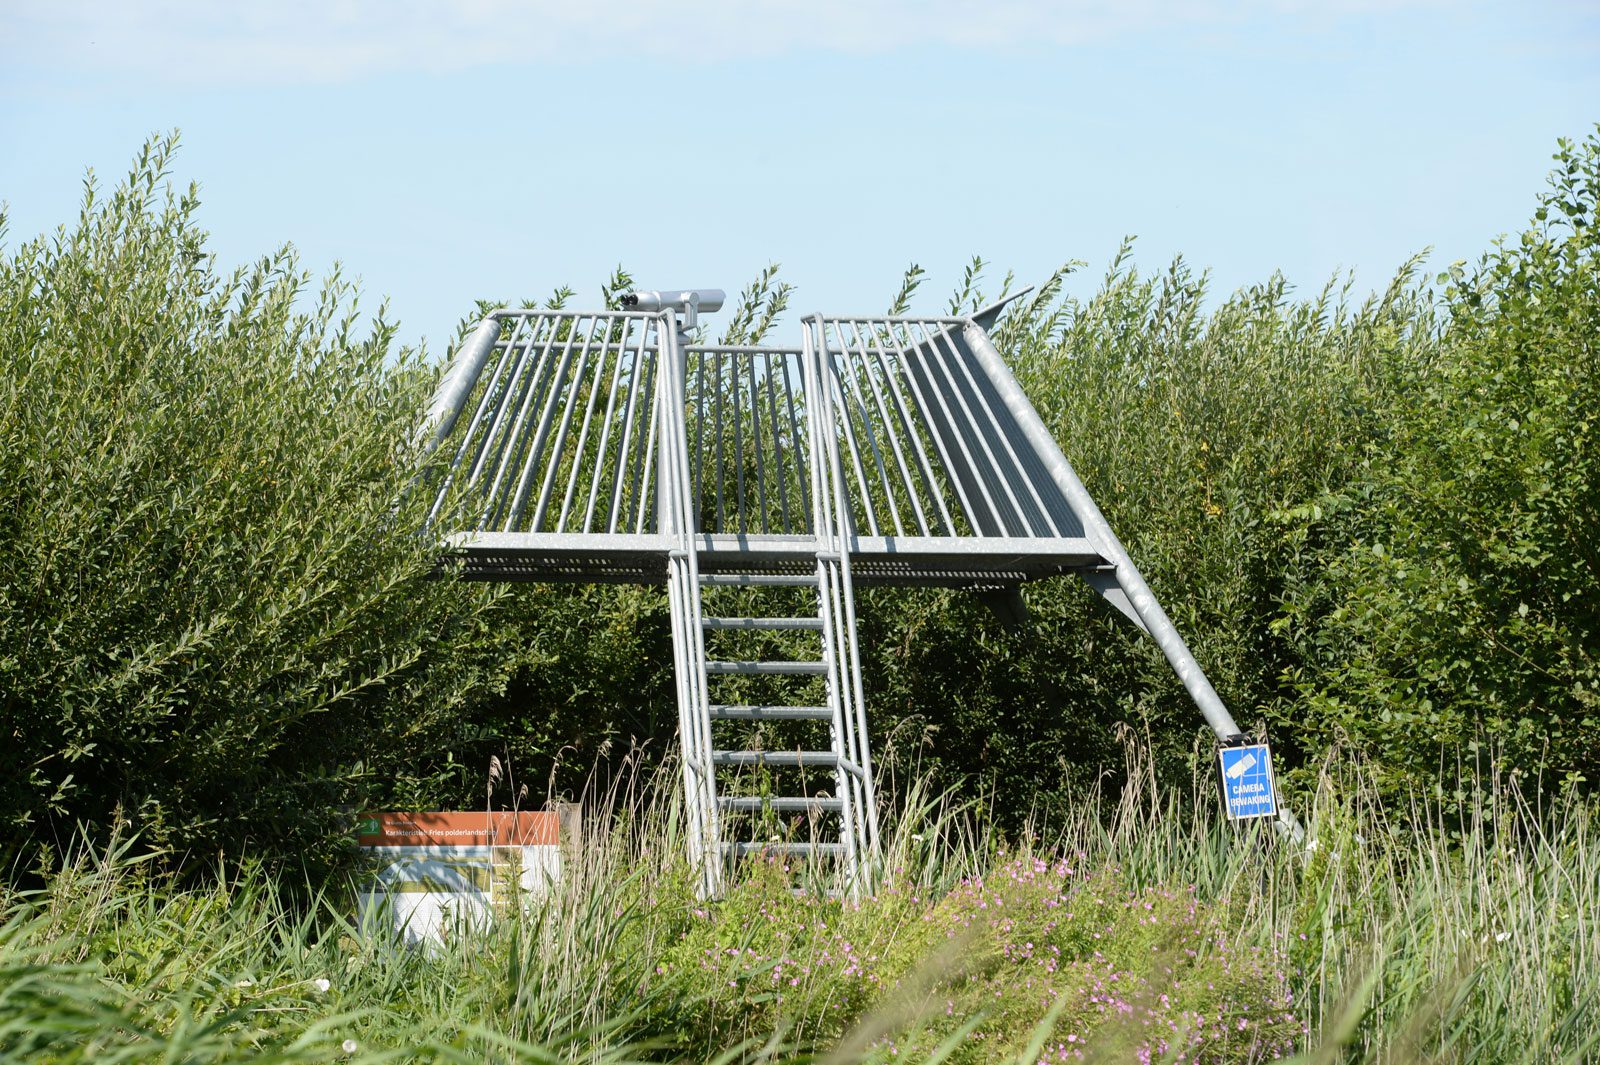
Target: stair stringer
<point x="833" y="527"/>
<point x="702" y="827"/>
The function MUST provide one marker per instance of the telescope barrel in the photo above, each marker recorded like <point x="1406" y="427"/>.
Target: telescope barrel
<point x="702" y="299"/>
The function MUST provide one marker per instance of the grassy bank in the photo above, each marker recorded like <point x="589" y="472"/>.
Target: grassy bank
<point x="1138" y="929"/>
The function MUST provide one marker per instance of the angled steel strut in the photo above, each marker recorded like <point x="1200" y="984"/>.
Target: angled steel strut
<point x="762" y="485"/>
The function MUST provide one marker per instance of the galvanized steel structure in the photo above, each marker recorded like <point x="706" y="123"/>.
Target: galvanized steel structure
<point x="607" y="446"/>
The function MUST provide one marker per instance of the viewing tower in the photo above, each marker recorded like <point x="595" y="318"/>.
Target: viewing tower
<point x="763" y="485"/>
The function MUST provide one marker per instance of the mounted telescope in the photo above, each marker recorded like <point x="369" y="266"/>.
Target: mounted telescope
<point x="689" y="302"/>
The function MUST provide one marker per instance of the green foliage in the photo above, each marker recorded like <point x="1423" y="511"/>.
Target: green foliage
<point x="757" y="309"/>
<point x="1449" y="593"/>
<point x="1029" y="943"/>
<point x="213" y="618"/>
<point x="1191" y="426"/>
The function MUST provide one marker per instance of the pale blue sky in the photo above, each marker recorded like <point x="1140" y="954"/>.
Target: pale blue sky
<point x="487" y="148"/>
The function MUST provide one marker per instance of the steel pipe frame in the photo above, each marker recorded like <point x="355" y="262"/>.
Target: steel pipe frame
<point x="823" y="383"/>
<point x="834" y="530"/>
<point x="677" y="522"/>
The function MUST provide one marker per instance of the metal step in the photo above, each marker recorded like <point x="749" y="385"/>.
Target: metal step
<point x="825" y="815"/>
<point x="780" y="805"/>
<point x="746" y="580"/>
<point x="743" y="712"/>
<point x="821" y="759"/>
<point x="762" y="624"/>
<point x="786" y="669"/>
<point x="782" y="848"/>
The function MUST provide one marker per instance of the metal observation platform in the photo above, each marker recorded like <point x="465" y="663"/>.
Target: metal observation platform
<point x="763" y="485"/>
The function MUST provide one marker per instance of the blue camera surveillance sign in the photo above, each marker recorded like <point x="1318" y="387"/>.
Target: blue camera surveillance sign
<point x="1248" y="789"/>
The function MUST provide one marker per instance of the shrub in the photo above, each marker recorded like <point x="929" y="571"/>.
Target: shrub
<point x="1192" y="421"/>
<point x="212" y="616"/>
<point x="1449" y="594"/>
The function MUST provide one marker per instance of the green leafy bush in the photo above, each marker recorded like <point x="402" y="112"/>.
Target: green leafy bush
<point x="1374" y="522"/>
<point x="213" y="617"/>
<point x="1191" y="421"/>
<point x="1448" y="595"/>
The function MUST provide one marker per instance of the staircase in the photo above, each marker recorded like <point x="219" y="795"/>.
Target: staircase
<point x="778" y="724"/>
<point x="778" y="711"/>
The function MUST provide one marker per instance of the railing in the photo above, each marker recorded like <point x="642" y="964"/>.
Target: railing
<point x="749" y="440"/>
<point x="688" y="637"/>
<point x="563" y="437"/>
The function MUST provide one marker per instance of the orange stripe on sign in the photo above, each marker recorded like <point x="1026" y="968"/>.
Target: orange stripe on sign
<point x="458" y="829"/>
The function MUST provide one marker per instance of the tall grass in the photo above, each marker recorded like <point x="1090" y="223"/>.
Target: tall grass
<point x="1136" y="927"/>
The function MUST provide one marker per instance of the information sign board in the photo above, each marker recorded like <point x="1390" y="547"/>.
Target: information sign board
<point x="436" y="870"/>
<point x="1248" y="787"/>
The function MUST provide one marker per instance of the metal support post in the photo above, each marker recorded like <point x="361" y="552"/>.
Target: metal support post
<point x="1099" y="532"/>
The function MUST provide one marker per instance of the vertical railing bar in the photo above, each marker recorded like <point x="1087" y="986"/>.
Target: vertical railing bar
<point x="716" y="431"/>
<point x="558" y="387"/>
<point x="889" y="429"/>
<point x="693" y="773"/>
<point x="859" y="696"/>
<point x="512" y="440"/>
<point x="866" y="428"/>
<point x="868" y="358"/>
<point x="949" y="360"/>
<point x="1023" y="473"/>
<point x="699" y="437"/>
<point x="558" y="446"/>
<point x="777" y="445"/>
<point x="697" y="736"/>
<point x="543" y="396"/>
<point x="831" y="381"/>
<point x="832" y="590"/>
<point x="682" y="592"/>
<point x="989" y="474"/>
<point x="821" y="471"/>
<point x="892" y="374"/>
<point x="755" y="442"/>
<point x="625" y="447"/>
<point x="994" y="511"/>
<point x="851" y="655"/>
<point x="581" y="451"/>
<point x="852" y="699"/>
<point x="843" y="785"/>
<point x="924" y="407"/>
<point x="492" y="393"/>
<point x="508" y="451"/>
<point x="734" y="406"/>
<point x="816" y="405"/>
<point x="839" y="525"/>
<point x="647" y="474"/>
<point x="800" y="443"/>
<point x="605" y="432"/>
<point x="919" y="418"/>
